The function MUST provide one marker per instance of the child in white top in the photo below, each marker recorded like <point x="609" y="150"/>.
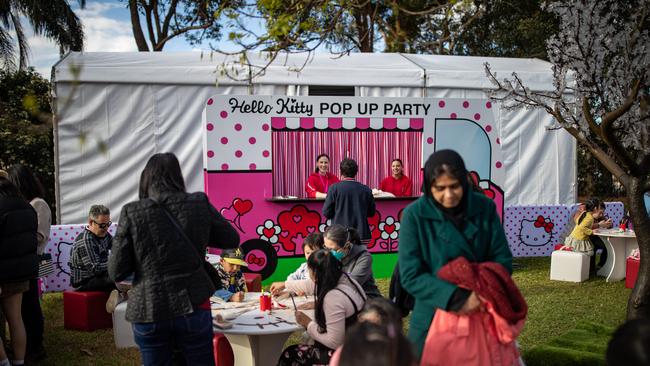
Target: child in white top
<point x="312" y="243"/>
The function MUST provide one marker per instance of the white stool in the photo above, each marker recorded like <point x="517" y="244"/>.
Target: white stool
<point x="122" y="331"/>
<point x="569" y="266"/>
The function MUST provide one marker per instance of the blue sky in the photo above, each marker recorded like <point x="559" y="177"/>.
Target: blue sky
<point x="107" y="28"/>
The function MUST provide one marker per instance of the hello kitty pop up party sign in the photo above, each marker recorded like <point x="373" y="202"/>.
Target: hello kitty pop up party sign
<point x="258" y="152"/>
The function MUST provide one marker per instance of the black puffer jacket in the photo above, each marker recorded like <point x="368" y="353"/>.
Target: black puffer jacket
<point x="169" y="279"/>
<point x="18" y="225"/>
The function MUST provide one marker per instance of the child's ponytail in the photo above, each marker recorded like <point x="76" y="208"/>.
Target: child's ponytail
<point x="590" y="205"/>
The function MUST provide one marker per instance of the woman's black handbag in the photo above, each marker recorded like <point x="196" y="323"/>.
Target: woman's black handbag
<point x="212" y="272"/>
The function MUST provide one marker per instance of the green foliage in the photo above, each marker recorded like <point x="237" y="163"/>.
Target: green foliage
<point x="26" y="126"/>
<point x="594" y="180"/>
<point x="52" y="19"/>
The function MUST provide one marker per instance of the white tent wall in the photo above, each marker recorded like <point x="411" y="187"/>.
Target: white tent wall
<point x="540" y="163"/>
<point x="133" y="122"/>
<point x="139" y="104"/>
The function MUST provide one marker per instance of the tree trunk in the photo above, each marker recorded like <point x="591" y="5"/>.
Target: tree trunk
<point x="638" y="305"/>
<point x="140" y="41"/>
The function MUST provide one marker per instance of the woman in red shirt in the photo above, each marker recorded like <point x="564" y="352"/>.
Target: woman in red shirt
<point x="320" y="181"/>
<point x="398" y="184"/>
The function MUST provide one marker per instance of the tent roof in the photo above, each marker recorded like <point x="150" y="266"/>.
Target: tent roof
<point x="355" y="69"/>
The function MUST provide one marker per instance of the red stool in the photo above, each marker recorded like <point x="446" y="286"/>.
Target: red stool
<point x="253" y="282"/>
<point x="631" y="271"/>
<point x="86" y="311"/>
<point x="223" y="355"/>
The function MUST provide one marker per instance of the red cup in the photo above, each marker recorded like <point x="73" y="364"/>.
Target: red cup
<point x="622" y="226"/>
<point x="265" y="302"/>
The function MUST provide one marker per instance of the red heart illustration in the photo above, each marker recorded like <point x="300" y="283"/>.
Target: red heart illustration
<point x="284" y="234"/>
<point x="389" y="228"/>
<point x="311" y="229"/>
<point x="269" y="232"/>
<point x="372" y="227"/>
<point x="296" y="218"/>
<point x="242" y="206"/>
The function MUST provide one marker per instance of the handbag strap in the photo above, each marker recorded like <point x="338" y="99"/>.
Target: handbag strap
<point x="181" y="231"/>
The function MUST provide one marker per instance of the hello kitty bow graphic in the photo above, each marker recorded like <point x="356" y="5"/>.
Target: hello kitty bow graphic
<point x="238" y="208"/>
<point x="541" y="222"/>
<point x="536" y="233"/>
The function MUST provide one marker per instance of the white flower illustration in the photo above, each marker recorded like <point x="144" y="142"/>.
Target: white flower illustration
<point x="389" y="228"/>
<point x="269" y="231"/>
<point x="325" y="225"/>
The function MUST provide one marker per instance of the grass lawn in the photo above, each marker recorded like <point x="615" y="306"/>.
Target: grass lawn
<point x="554" y="308"/>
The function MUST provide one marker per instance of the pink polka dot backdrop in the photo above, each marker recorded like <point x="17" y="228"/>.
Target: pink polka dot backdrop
<point x="530" y="236"/>
<point x="235" y="141"/>
<point x="468" y="113"/>
<point x="59" y="246"/>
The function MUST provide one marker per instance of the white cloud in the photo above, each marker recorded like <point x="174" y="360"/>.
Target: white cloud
<point x="107" y="28"/>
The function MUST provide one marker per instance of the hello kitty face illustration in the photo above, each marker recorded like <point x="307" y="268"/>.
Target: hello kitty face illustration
<point x="536" y="233"/>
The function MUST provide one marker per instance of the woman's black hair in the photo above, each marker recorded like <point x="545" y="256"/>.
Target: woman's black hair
<point x="398" y="160"/>
<point x="374" y="344"/>
<point x="591" y="205"/>
<point x="327" y="271"/>
<point x="27" y="184"/>
<point x="8" y="189"/>
<point x="318" y="158"/>
<point x="313" y="241"/>
<point x="341" y="235"/>
<point x="444" y="162"/>
<point x="162" y="174"/>
<point x="630" y="344"/>
<point x="388" y="312"/>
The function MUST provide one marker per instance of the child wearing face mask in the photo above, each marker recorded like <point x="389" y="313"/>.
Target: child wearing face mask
<point x="344" y="244"/>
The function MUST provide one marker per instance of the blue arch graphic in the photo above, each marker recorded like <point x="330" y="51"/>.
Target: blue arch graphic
<point x="469" y="139"/>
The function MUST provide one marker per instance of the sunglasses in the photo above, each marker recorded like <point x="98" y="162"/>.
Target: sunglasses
<point x="104" y="225"/>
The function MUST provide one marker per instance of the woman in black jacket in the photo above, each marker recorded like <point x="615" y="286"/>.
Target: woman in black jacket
<point x="18" y="263"/>
<point x="169" y="302"/>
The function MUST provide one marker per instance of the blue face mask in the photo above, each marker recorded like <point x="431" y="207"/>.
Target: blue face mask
<point x="338" y="255"/>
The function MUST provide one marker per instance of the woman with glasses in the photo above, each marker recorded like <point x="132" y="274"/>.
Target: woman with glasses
<point x="162" y="239"/>
<point x="346" y="246"/>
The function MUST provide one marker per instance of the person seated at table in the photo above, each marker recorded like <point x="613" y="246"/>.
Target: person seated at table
<point x="89" y="254"/>
<point x="321" y="179"/>
<point x="602" y="222"/>
<point x="312" y="243"/>
<point x="233" y="283"/>
<point x="397" y="183"/>
<point x="339" y="300"/>
<point x="578" y="240"/>
<point x="345" y="245"/>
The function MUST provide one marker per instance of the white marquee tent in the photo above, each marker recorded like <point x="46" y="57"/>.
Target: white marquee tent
<point x="114" y="110"/>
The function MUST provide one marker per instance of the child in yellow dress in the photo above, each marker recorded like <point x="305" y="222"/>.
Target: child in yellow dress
<point x="579" y="237"/>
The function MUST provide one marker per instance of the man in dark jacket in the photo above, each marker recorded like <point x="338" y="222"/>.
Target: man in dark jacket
<point x="350" y="203"/>
<point x="89" y="255"/>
